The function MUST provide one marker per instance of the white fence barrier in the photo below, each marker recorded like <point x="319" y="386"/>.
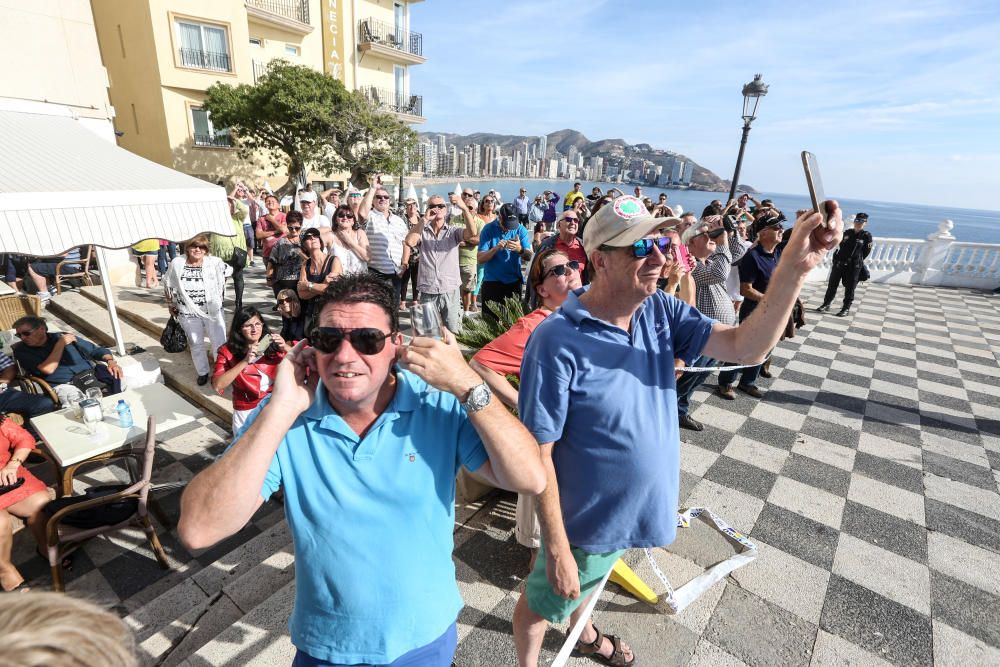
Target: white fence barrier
<point x="941" y="261"/>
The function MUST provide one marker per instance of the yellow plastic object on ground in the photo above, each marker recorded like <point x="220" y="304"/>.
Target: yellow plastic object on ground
<point x="623" y="575"/>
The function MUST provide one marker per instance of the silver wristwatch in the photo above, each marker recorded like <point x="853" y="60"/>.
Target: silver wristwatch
<point x="479" y="398"/>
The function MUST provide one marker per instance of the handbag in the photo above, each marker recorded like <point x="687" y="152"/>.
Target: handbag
<point x="96" y="517"/>
<point x="864" y="275"/>
<point x="95" y="377"/>
<point x="173" y="339"/>
<point x="7" y="488"/>
<point x="239" y="259"/>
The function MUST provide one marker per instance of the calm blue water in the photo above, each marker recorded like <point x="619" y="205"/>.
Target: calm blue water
<point x="886" y="219"/>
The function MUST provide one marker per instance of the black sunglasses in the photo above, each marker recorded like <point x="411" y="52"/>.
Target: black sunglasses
<point x="569" y="219"/>
<point x="366" y="340"/>
<point x="292" y="228"/>
<point x="561" y="269"/>
<point x="644" y="247"/>
<point x="24" y="334"/>
<point x="345" y="216"/>
<point x="382" y="197"/>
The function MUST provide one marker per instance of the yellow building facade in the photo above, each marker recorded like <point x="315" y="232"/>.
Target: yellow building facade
<point x="162" y="55"/>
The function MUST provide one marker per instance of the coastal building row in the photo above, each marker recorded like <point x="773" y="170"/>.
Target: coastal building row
<point x="530" y="159"/>
<point x="155" y="59"/>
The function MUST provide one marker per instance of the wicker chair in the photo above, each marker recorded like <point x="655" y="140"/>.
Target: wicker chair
<point x="86" y="255"/>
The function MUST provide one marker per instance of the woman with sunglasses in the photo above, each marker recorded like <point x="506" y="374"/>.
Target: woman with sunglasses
<point x="248" y="362"/>
<point x="194" y="286"/>
<point x="350" y="242"/>
<point x="552" y="276"/>
<point x="567" y="242"/>
<point x="293" y="320"/>
<point x="284" y="263"/>
<point x="411" y="253"/>
<point x="318" y="269"/>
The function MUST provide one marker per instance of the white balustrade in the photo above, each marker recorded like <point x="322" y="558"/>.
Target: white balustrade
<point x="940" y="260"/>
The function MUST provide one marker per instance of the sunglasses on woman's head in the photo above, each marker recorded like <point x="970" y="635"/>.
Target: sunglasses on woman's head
<point x="561" y="269"/>
<point x="366" y="340"/>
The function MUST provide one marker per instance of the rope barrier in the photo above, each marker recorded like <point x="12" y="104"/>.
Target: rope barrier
<point x="710" y="369"/>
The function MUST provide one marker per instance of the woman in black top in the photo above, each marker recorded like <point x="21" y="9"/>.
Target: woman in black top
<point x="293" y="320"/>
<point x="318" y="269"/>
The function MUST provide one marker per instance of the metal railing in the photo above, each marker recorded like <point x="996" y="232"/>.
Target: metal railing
<point x="373" y="31"/>
<point x="221" y="140"/>
<point x="297" y="10"/>
<point x="259" y="69"/>
<point x="387" y="100"/>
<point x="205" y="60"/>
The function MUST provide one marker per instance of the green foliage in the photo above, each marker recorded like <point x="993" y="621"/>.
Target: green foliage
<point x="301" y="119"/>
<point x="477" y="331"/>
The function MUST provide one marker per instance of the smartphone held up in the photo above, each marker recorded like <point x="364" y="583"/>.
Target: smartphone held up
<point x="815" y="183"/>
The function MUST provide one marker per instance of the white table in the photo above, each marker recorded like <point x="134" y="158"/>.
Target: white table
<point x="72" y="445"/>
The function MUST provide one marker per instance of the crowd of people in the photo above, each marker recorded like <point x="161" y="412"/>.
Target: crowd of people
<point x="339" y="410"/>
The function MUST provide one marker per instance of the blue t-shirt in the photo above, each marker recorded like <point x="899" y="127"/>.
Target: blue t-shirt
<point x="372" y="520"/>
<point x="608" y="399"/>
<point x="756" y="268"/>
<point x="505" y="267"/>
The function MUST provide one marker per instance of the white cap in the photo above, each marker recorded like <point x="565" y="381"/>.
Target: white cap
<point x="307" y="196"/>
<point x="621" y="223"/>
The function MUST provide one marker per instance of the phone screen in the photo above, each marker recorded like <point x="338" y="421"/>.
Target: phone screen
<point x="815" y="183"/>
<point x="263" y="343"/>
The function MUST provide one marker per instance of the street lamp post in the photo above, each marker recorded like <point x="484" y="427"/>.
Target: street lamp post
<point x="752" y="92"/>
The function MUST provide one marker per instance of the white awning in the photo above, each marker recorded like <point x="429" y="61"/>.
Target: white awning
<point x="62" y="186"/>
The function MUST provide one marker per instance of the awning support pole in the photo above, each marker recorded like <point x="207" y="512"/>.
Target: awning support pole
<point x="109" y="299"/>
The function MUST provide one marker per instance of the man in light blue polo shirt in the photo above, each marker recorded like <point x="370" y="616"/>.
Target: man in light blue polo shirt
<point x="598" y="393"/>
<point x="366" y="454"/>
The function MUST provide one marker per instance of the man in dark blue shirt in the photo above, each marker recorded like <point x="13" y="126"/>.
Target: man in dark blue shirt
<point x="756" y="269"/>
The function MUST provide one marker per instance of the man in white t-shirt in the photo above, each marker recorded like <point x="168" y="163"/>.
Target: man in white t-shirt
<point x="386" y="232"/>
<point x="311" y="217"/>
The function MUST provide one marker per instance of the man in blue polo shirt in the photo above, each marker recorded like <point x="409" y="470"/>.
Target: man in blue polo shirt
<point x="503" y="243"/>
<point x="366" y="453"/>
<point x="598" y="393"/>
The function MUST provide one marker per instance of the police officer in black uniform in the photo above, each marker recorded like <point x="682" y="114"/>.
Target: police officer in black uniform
<point x="848" y="262"/>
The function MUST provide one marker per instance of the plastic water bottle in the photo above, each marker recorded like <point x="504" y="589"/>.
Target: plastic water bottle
<point x="124" y="414"/>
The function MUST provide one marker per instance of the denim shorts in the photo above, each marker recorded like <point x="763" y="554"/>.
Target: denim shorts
<point x="439" y="653"/>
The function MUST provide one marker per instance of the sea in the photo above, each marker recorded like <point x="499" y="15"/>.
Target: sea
<point x="886" y="219"/>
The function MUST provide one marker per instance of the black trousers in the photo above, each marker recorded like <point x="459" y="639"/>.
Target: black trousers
<point x="237" y="285"/>
<point x="495" y="292"/>
<point x="846" y="274"/>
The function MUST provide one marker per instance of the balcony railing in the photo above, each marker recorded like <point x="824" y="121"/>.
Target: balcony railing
<point x="221" y="140"/>
<point x="205" y="60"/>
<point x="297" y="10"/>
<point x="374" y="31"/>
<point x="259" y="69"/>
<point x="386" y="100"/>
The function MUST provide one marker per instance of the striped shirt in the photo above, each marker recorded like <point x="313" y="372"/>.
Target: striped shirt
<point x="193" y="283"/>
<point x="385" y="241"/>
<point x="5" y="362"/>
<point x="711" y="296"/>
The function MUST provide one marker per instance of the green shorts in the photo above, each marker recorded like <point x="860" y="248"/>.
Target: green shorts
<point x="545" y="602"/>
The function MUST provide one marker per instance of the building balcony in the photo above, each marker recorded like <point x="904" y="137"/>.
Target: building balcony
<point x="220" y="140"/>
<point x="409" y="108"/>
<point x="212" y="60"/>
<point x="382" y="38"/>
<point x="292" y="15"/>
<point x="259" y="68"/>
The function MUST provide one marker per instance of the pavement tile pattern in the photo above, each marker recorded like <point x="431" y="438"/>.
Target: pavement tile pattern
<point x="867" y="475"/>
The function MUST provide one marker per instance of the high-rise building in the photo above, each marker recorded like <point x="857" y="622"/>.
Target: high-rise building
<point x="453" y="160"/>
<point x="477" y="160"/>
<point x="596" y="167"/>
<point x="688" y="173"/>
<point x="441" y="144"/>
<point x="677" y="172"/>
<point x="543" y="142"/>
<point x="572" y="154"/>
<point x="553" y="171"/>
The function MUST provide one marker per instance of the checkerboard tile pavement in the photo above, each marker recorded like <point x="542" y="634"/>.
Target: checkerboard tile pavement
<point x="867" y="475"/>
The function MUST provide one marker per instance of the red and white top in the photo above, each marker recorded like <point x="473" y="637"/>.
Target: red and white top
<point x="255" y="380"/>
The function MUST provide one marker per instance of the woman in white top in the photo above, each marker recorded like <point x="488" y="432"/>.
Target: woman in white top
<point x="350" y="243"/>
<point x="194" y="286"/>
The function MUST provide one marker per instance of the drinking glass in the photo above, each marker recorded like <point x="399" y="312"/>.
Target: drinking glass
<point x="425" y="320"/>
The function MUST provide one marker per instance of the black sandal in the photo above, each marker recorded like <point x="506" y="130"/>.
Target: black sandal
<point x="592" y="649"/>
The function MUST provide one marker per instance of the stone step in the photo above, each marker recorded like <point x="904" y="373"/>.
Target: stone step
<point x="258" y="639"/>
<point x="142" y="308"/>
<point x="202" y="601"/>
<point x="88" y="316"/>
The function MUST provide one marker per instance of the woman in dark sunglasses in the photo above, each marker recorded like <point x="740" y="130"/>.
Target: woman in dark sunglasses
<point x="553" y="275"/>
<point x="350" y="243"/>
<point x="284" y="262"/>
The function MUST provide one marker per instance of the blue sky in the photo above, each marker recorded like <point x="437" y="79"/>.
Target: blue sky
<point x="899" y="100"/>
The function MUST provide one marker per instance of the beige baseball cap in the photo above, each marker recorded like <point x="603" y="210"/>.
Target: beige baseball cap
<point x="621" y="223"/>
